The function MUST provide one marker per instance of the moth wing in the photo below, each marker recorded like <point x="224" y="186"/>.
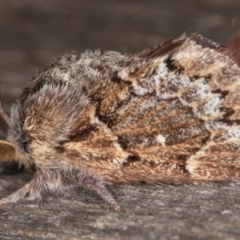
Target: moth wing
<point x="173" y="113"/>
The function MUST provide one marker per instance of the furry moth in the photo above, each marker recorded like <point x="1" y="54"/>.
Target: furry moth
<point x="169" y="114"/>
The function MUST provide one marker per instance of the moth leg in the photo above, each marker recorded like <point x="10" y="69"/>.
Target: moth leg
<point x="35" y="189"/>
<point x="102" y="191"/>
<point x="92" y="183"/>
<point x="18" y="195"/>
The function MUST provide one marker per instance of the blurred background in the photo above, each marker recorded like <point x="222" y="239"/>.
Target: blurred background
<point x="33" y="32"/>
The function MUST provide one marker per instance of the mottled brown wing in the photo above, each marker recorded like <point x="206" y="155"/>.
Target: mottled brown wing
<point x="172" y="116"/>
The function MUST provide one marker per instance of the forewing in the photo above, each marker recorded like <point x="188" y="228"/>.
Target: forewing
<point x="171" y="116"/>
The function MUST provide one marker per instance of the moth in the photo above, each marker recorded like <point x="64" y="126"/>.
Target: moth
<point x="169" y="114"/>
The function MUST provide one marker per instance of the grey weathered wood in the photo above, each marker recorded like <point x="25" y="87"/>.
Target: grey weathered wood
<point x="31" y="33"/>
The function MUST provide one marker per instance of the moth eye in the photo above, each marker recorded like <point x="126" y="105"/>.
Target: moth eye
<point x="24" y="145"/>
<point x="84" y="89"/>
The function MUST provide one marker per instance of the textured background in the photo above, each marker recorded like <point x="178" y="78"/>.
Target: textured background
<point x="31" y="34"/>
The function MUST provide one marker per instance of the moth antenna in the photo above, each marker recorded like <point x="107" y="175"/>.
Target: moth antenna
<point x="4" y="114"/>
<point x="7" y="151"/>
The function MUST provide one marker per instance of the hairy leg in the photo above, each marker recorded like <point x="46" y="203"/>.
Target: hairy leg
<point x="102" y="191"/>
<point x="47" y="180"/>
<point x="92" y="183"/>
<point x="42" y="182"/>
